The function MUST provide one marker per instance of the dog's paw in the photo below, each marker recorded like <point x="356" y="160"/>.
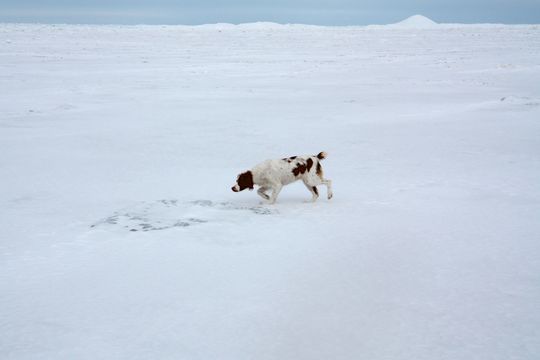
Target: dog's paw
<point x="263" y="195"/>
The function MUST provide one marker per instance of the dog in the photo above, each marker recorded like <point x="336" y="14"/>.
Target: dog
<point x="274" y="174"/>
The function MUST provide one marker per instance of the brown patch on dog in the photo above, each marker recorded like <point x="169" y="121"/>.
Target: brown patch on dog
<point x="309" y="164"/>
<point x="314" y="188"/>
<point x="319" y="170"/>
<point x="321" y="155"/>
<point x="245" y="180"/>
<point x="299" y="169"/>
<point x="289" y="159"/>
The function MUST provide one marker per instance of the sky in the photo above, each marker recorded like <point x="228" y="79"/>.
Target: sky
<point x="319" y="12"/>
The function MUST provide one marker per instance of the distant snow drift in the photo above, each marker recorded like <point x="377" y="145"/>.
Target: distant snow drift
<point x="121" y="238"/>
<point x="415" y="22"/>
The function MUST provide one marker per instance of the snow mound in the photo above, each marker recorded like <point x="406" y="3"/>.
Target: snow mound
<point x="261" y="25"/>
<point x="217" y="26"/>
<point x="415" y="22"/>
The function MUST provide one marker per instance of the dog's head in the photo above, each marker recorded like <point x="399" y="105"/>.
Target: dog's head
<point x="244" y="181"/>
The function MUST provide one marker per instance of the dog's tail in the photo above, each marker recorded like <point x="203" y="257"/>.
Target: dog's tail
<point x="322" y="155"/>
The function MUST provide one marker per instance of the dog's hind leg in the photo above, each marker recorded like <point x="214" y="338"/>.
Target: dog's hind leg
<point x="261" y="192"/>
<point x="328" y="184"/>
<point x="313" y="190"/>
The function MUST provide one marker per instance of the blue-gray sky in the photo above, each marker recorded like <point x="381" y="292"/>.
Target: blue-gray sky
<point x="322" y="12"/>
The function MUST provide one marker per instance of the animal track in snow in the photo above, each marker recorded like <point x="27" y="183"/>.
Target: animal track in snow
<point x="171" y="213"/>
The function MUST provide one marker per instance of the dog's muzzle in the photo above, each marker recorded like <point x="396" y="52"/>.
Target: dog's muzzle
<point x="235" y="188"/>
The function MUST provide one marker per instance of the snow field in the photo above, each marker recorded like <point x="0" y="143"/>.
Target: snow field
<point x="122" y="240"/>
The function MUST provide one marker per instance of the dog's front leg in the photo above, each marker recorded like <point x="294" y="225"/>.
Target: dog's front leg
<point x="275" y="192"/>
<point x="261" y="192"/>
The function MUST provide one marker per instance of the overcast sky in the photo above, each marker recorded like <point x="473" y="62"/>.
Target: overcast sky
<point x="323" y="12"/>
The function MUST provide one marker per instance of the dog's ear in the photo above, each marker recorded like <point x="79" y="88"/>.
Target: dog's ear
<point x="245" y="180"/>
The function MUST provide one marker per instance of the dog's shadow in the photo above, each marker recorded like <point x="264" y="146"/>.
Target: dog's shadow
<point x="171" y="213"/>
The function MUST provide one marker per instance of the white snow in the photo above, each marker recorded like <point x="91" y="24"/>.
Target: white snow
<point x="121" y="238"/>
<point x="415" y="22"/>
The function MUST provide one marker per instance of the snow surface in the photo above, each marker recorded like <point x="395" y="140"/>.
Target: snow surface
<point x="121" y="238"/>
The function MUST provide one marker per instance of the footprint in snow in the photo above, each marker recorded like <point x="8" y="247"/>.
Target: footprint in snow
<point x="171" y="213"/>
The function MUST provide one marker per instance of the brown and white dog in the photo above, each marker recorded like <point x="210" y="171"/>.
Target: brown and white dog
<point x="274" y="174"/>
